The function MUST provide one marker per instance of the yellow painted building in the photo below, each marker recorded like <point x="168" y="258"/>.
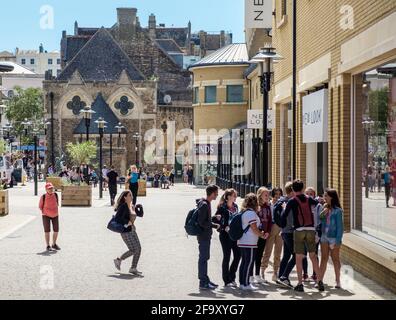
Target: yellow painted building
<point x="346" y="123"/>
<point x="220" y="101"/>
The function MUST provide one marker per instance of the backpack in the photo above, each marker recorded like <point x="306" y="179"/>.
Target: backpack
<point x="236" y="231"/>
<point x="56" y="196"/>
<point x="191" y="225"/>
<point x="277" y="212"/>
<point x="304" y="216"/>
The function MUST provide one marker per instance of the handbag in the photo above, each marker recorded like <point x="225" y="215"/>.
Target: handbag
<point x="139" y="210"/>
<point x="114" y="226"/>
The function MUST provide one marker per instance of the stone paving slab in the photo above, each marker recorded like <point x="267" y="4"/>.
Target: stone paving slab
<point x="84" y="268"/>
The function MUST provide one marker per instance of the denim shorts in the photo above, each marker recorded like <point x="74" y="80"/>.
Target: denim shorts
<point x="330" y="241"/>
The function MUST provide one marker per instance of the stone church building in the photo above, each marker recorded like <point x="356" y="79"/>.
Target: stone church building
<point x="127" y="74"/>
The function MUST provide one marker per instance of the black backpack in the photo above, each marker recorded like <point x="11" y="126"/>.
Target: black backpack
<point x="278" y="213"/>
<point x="56" y="196"/>
<point x="236" y="231"/>
<point x="191" y="225"/>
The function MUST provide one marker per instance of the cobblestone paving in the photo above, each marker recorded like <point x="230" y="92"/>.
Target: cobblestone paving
<point x="84" y="268"/>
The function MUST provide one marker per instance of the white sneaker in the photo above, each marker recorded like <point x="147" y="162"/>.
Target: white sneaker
<point x="252" y="279"/>
<point x="135" y="272"/>
<point x="234" y="284"/>
<point x="259" y="279"/>
<point x="250" y="287"/>
<point x="117" y="264"/>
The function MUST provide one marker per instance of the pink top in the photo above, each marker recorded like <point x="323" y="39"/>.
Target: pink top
<point x="50" y="208"/>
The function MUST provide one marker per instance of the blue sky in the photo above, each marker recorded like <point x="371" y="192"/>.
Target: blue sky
<point x="20" y="26"/>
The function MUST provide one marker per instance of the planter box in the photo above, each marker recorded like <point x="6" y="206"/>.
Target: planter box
<point x="142" y="192"/>
<point x="56" y="181"/>
<point x="4" y="203"/>
<point x="76" y="196"/>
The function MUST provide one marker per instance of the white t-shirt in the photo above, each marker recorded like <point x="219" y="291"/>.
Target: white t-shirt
<point x="249" y="239"/>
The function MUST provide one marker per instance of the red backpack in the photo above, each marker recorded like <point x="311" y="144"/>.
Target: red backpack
<point x="305" y="215"/>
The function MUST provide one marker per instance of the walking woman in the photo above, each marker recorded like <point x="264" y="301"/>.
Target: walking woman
<point x="126" y="216"/>
<point x="264" y="213"/>
<point x="226" y="210"/>
<point x="248" y="242"/>
<point x="133" y="178"/>
<point x="332" y="232"/>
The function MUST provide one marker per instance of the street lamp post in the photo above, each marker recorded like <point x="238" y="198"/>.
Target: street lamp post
<point x="87" y="113"/>
<point x="119" y="128"/>
<point x="265" y="59"/>
<point x="35" y="162"/>
<point x="101" y="125"/>
<point x="136" y="136"/>
<point x="164" y="128"/>
<point x="7" y="128"/>
<point x="51" y="95"/>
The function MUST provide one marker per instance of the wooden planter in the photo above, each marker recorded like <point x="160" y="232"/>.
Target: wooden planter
<point x="4" y="202"/>
<point x="76" y="196"/>
<point x="142" y="192"/>
<point x="56" y="181"/>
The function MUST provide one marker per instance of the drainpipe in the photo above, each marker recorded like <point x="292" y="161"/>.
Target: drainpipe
<point x="294" y="103"/>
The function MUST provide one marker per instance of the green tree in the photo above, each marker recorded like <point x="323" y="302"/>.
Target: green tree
<point x="81" y="153"/>
<point x="26" y="104"/>
<point x="378" y="102"/>
<point x="2" y="147"/>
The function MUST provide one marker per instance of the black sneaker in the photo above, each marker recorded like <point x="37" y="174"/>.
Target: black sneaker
<point x="207" y="287"/>
<point x="299" y="288"/>
<point x="49" y="248"/>
<point x="213" y="284"/>
<point x="285" y="282"/>
<point x="321" y="286"/>
<point x="55" y="247"/>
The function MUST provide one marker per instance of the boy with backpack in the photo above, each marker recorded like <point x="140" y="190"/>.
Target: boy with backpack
<point x="299" y="207"/>
<point x="48" y="205"/>
<point x="204" y="222"/>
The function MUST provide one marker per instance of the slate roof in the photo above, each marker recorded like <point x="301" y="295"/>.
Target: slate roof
<point x="103" y="110"/>
<point x="180" y="35"/>
<point x="101" y="59"/>
<point x="169" y="45"/>
<point x="72" y="45"/>
<point x="233" y="54"/>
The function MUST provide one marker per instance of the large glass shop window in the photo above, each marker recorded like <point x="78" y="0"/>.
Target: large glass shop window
<point x="375" y="153"/>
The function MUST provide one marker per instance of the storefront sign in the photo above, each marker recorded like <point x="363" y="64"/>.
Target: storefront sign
<point x="206" y="149"/>
<point x="315" y="116"/>
<point x="255" y="119"/>
<point x="258" y="14"/>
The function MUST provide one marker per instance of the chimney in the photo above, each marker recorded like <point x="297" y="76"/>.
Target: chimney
<point x="152" y="26"/>
<point x="76" y="28"/>
<point x="126" y="19"/>
<point x="222" y="39"/>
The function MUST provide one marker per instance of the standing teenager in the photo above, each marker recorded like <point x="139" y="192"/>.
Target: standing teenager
<point x="133" y="178"/>
<point x="226" y="210"/>
<point x="204" y="238"/>
<point x="332" y="232"/>
<point x="265" y="215"/>
<point x="248" y="242"/>
<point x="48" y="205"/>
<point x="126" y="216"/>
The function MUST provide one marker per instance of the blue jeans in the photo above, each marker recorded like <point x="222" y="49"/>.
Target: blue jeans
<point x="204" y="256"/>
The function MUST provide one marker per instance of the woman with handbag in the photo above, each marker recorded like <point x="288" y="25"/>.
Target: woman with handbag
<point x="126" y="216"/>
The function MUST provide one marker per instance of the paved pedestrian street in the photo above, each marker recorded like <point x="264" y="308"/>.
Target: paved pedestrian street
<point x="84" y="268"/>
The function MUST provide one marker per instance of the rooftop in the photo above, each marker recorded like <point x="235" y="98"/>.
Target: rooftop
<point x="18" y="69"/>
<point x="233" y="54"/>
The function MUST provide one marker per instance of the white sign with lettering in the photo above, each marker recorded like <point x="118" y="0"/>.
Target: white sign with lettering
<point x="258" y="14"/>
<point x="255" y="119"/>
<point x="315" y="116"/>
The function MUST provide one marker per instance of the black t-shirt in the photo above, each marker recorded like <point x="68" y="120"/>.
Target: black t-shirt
<point x="112" y="175"/>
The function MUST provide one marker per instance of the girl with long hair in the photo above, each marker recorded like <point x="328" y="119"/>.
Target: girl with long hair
<point x="332" y="232"/>
<point x="226" y="210"/>
<point x="126" y="216"/>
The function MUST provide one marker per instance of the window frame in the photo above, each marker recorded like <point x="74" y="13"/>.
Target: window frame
<point x="206" y="94"/>
<point x="239" y="86"/>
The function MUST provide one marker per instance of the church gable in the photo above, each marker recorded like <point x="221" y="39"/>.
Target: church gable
<point x="101" y="59"/>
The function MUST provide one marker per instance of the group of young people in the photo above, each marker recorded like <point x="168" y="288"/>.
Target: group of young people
<point x="296" y="222"/>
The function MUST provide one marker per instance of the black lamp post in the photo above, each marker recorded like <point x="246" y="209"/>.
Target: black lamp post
<point x="265" y="59"/>
<point x="26" y="124"/>
<point x="35" y="133"/>
<point x="7" y="128"/>
<point x="119" y="128"/>
<point x="101" y="125"/>
<point x="87" y="113"/>
<point x="51" y="95"/>
<point x="136" y="137"/>
<point x="164" y="128"/>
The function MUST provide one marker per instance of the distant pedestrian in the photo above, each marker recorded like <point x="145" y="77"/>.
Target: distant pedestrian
<point x="387" y="181"/>
<point x="226" y="210"/>
<point x="190" y="174"/>
<point x="204" y="239"/>
<point x="332" y="233"/>
<point x="126" y="216"/>
<point x="172" y="176"/>
<point x="185" y="173"/>
<point x="112" y="182"/>
<point x="105" y="170"/>
<point x="248" y="242"/>
<point x="48" y="205"/>
<point x="133" y="179"/>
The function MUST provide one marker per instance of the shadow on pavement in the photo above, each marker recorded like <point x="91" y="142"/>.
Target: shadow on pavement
<point x="207" y="294"/>
<point x="124" y="276"/>
<point x="238" y="293"/>
<point x="47" y="253"/>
